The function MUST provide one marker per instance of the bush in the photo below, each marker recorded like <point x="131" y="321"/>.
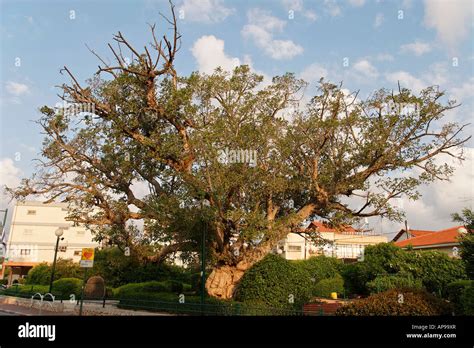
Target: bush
<point x="320" y="267"/>
<point x="275" y="282"/>
<point x="66" y="287"/>
<point x="26" y="290"/>
<point x="467" y="254"/>
<point x="40" y="274"/>
<point x="399" y="281"/>
<point x="454" y="292"/>
<point x="390" y="303"/>
<point x="118" y="269"/>
<point x="325" y="287"/>
<point x="434" y="269"/>
<point x="467" y="300"/>
<point x="137" y="289"/>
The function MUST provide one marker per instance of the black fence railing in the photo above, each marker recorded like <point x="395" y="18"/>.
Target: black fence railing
<point x="170" y="307"/>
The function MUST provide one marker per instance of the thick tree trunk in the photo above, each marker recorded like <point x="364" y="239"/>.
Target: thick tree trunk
<point x="223" y="280"/>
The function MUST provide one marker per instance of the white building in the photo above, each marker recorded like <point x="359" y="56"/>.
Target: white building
<point x="348" y="244"/>
<point x="32" y="239"/>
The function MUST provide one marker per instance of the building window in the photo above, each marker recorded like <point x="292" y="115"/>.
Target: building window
<point x="28" y="232"/>
<point x="77" y="253"/>
<point x="62" y="248"/>
<point x="31" y="212"/>
<point x="294" y="247"/>
<point x="25" y="252"/>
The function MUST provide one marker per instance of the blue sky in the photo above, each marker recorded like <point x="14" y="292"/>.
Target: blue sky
<point x="418" y="43"/>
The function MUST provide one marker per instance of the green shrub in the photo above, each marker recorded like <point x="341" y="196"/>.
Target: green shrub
<point x="137" y="289"/>
<point x="467" y="300"/>
<point x="275" y="282"/>
<point x="66" y="287"/>
<point x="118" y="269"/>
<point x="454" y="291"/>
<point x="398" y="302"/>
<point x="434" y="269"/>
<point x="320" y="267"/>
<point x="398" y="281"/>
<point x="325" y="287"/>
<point x="467" y="254"/>
<point x="356" y="277"/>
<point x="26" y="290"/>
<point x="40" y="274"/>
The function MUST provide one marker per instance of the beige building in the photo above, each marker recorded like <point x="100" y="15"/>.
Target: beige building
<point x="348" y="244"/>
<point x="32" y="239"/>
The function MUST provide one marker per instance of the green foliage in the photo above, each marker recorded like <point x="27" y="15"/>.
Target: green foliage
<point x="434" y="269"/>
<point x="404" y="302"/>
<point x="467" y="254"/>
<point x="118" y="269"/>
<point x="149" y="287"/>
<point x="274" y="281"/>
<point x="26" y="290"/>
<point x="398" y="281"/>
<point x="454" y="293"/>
<point x="467" y="300"/>
<point x="65" y="287"/>
<point x="40" y="274"/>
<point x="325" y="287"/>
<point x="320" y="267"/>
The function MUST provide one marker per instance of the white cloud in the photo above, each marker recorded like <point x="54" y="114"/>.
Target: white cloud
<point x="262" y="27"/>
<point x="379" y="18"/>
<point x="364" y="67"/>
<point x="418" y="48"/>
<point x="463" y="93"/>
<point x="406" y="80"/>
<point x="442" y="198"/>
<point x="210" y="54"/>
<point x="332" y="8"/>
<point x="205" y="11"/>
<point x="312" y="73"/>
<point x="17" y="89"/>
<point x="297" y="6"/>
<point x="451" y="20"/>
<point x="357" y="3"/>
<point x="384" y="57"/>
<point x="10" y="176"/>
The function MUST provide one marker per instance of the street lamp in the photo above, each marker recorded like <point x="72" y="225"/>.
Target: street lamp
<point x="59" y="232"/>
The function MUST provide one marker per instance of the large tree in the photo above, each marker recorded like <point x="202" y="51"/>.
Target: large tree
<point x="335" y="157"/>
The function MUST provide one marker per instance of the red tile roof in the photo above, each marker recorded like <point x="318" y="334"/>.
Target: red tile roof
<point x="426" y="238"/>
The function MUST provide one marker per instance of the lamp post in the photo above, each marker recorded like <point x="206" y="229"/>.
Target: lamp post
<point x="59" y="232"/>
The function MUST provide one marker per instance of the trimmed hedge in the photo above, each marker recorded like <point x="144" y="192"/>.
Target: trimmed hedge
<point x="325" y="287"/>
<point x="399" y="281"/>
<point x="26" y="290"/>
<point x="398" y="302"/>
<point x="275" y="282"/>
<point x="138" y="289"/>
<point x="66" y="287"/>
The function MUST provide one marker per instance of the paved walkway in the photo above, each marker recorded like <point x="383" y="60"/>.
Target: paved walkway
<point x="26" y="311"/>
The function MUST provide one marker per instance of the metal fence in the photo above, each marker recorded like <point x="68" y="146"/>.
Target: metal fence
<point x="178" y="307"/>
